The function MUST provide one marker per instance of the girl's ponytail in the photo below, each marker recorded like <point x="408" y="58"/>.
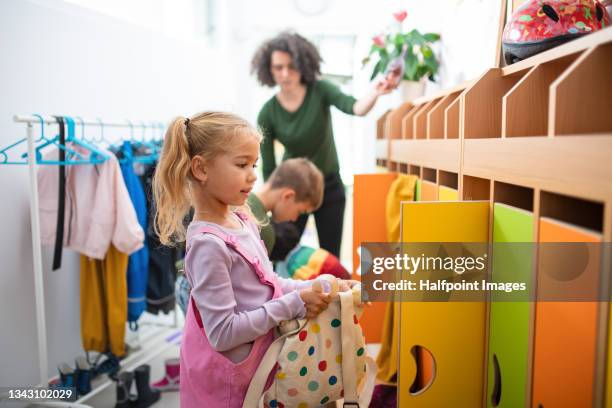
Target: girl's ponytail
<point x="171" y="184"/>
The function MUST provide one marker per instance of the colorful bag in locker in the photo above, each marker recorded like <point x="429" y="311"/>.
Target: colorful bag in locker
<point x="306" y="263"/>
<point x="319" y="360"/>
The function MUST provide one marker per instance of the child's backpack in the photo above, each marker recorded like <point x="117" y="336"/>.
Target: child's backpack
<point x="319" y="360"/>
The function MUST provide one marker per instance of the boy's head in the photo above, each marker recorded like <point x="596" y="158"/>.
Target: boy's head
<point x="300" y="187"/>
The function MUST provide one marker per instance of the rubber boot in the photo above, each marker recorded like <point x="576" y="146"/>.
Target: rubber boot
<point x="146" y="395"/>
<point x="83" y="375"/>
<point x="124" y="384"/>
<point x="171" y="380"/>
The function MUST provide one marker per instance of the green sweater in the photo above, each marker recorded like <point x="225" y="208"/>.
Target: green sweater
<point x="266" y="232"/>
<point x="306" y="132"/>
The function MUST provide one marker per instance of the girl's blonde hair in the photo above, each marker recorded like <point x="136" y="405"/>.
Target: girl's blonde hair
<point x="207" y="134"/>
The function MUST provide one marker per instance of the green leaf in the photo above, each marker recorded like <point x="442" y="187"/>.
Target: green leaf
<point x="417" y="37"/>
<point x="432" y="37"/>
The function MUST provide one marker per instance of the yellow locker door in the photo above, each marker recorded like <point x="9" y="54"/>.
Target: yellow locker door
<point x="454" y="333"/>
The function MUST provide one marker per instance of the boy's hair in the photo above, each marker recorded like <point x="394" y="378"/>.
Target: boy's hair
<point x="303" y="177"/>
<point x="207" y="134"/>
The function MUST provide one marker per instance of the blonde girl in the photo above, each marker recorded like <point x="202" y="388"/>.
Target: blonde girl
<point x="208" y="163"/>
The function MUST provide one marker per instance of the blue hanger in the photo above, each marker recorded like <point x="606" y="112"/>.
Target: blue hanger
<point x="128" y="152"/>
<point x="96" y="156"/>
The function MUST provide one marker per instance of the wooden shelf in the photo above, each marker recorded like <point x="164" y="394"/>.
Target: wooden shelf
<point x="574" y="165"/>
<point x="476" y="188"/>
<point x="438" y="154"/>
<point x="525" y="106"/>
<point x="436" y="116"/>
<point x="582" y="213"/>
<point x="407" y="129"/>
<point x="380" y="125"/>
<point x="382" y="149"/>
<point x="394" y="120"/>
<point x="511" y="194"/>
<point x="416" y="170"/>
<point x="581" y="98"/>
<point x="452" y="120"/>
<point x="482" y="104"/>
<point x="448" y="179"/>
<point x="420" y="120"/>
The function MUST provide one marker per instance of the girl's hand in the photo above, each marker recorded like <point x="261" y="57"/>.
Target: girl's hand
<point x="347" y="284"/>
<point x="314" y="302"/>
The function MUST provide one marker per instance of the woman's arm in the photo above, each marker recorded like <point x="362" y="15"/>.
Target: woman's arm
<point x="363" y="105"/>
<point x="267" y="146"/>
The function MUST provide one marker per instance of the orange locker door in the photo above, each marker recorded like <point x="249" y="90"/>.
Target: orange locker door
<point x="369" y="215"/>
<point x="565" y="332"/>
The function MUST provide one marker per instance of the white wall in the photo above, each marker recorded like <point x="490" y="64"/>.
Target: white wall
<point x="60" y="59"/>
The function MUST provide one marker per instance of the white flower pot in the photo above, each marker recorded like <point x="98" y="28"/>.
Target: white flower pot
<point x="410" y="90"/>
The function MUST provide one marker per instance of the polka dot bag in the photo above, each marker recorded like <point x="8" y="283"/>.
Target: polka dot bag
<point x="318" y="361"/>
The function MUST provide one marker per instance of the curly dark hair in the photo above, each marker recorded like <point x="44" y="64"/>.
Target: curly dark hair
<point x="304" y="54"/>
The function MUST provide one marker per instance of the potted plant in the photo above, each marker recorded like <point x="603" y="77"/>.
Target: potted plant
<point x="413" y="47"/>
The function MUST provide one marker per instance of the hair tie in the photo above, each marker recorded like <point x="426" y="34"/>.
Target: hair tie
<point x="186" y="122"/>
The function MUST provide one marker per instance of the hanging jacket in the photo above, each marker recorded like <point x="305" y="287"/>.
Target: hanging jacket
<point x="162" y="259"/>
<point x="138" y="262"/>
<point x="98" y="208"/>
<point x="402" y="189"/>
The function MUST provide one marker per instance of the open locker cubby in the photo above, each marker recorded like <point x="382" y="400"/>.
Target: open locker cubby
<point x="430" y="175"/>
<point x="448" y="179"/>
<point x="582" y="213"/>
<point x="482" y="104"/>
<point x="394" y="120"/>
<point x="581" y="97"/>
<point x="381" y="126"/>
<point x="451" y="119"/>
<point x="420" y="120"/>
<point x="407" y="129"/>
<point x="415" y="170"/>
<point x="435" y="117"/>
<point x="525" y="107"/>
<point x="394" y="166"/>
<point x="403" y="168"/>
<point x="513" y="195"/>
<point x="476" y="188"/>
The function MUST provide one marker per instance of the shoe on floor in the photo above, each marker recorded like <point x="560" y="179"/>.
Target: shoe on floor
<point x="171" y="380"/>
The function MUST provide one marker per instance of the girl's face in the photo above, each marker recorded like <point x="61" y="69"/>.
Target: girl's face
<point x="229" y="177"/>
<point x="283" y="71"/>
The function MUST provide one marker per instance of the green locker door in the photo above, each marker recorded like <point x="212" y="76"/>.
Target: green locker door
<point x="509" y="321"/>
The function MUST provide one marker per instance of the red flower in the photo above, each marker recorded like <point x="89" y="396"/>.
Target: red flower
<point x="379" y="40"/>
<point x="400" y="15"/>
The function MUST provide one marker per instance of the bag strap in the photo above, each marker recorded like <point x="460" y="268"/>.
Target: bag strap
<point x="232" y="242"/>
<point x="349" y="370"/>
<point x="258" y="382"/>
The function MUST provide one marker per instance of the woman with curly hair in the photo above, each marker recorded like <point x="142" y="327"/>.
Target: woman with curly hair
<point x="299" y="117"/>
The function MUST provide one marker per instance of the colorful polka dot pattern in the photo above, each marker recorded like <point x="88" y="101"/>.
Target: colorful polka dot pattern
<point x="315" y="356"/>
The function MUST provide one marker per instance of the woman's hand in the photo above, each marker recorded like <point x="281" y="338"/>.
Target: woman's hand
<point x="383" y="86"/>
<point x="314" y="302"/>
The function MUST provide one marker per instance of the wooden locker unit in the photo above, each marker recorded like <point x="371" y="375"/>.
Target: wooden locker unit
<point x="369" y="225"/>
<point x="453" y="333"/>
<point x="543" y="124"/>
<point x="429" y="185"/>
